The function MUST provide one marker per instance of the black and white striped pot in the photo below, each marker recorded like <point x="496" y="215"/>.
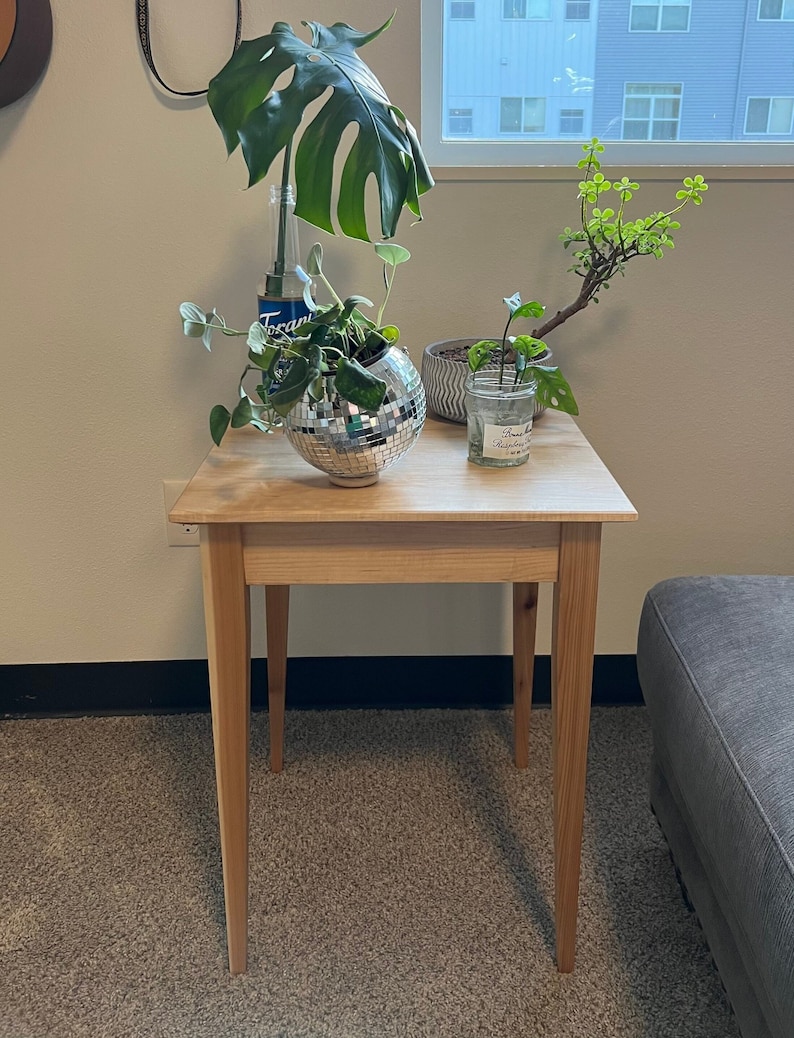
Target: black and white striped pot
<point x="444" y="377"/>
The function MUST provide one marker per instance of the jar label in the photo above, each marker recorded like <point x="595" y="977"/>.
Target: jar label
<point x="285" y="314"/>
<point x="506" y="441"/>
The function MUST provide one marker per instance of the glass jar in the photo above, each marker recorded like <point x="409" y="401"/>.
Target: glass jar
<point x="499" y="419"/>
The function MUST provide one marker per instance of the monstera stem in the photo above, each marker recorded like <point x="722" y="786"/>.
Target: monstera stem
<point x="281" y="245"/>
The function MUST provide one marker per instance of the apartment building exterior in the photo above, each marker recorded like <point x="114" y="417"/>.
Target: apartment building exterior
<point x="659" y="70"/>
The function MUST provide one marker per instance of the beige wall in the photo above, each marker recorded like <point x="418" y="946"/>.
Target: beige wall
<point x="117" y="204"/>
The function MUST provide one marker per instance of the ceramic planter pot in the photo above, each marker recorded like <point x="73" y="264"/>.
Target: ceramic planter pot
<point x="351" y="445"/>
<point x="444" y="373"/>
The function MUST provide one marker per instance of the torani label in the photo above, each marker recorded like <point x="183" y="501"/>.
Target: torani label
<point x="285" y="314"/>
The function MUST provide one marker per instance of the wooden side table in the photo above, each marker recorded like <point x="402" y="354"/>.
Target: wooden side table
<point x="267" y="518"/>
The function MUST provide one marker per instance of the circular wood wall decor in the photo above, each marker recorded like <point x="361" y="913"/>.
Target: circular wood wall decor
<point x="25" y="45"/>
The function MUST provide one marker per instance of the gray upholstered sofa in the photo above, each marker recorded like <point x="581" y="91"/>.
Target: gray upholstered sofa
<point x="716" y="662"/>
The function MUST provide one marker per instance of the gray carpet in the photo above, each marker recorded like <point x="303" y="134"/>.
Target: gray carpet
<point x="401" y="885"/>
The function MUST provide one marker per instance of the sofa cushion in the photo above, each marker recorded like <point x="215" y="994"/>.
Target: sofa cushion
<point x="716" y="664"/>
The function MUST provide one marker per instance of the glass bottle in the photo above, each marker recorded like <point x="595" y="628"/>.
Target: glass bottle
<point x="280" y="289"/>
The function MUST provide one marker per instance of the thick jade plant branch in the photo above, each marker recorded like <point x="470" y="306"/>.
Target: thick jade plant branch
<point x="609" y="241"/>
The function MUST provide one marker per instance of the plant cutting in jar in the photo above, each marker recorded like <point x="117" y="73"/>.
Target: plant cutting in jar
<point x="325" y="355"/>
<point x="520" y="352"/>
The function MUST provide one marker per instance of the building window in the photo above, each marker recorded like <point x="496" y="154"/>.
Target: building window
<point x="526" y="8"/>
<point x="461" y="10"/>
<point x="651" y="111"/>
<point x="659" y="15"/>
<point x="776" y="10"/>
<point x="522" y="115"/>
<point x="577" y="10"/>
<point x="571" y="121"/>
<point x="769" y="115"/>
<point x="460" y="121"/>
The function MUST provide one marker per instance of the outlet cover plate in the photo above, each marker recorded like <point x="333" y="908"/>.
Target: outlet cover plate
<point x="178" y="535"/>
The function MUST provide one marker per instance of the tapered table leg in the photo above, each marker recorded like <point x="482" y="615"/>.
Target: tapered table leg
<point x="525" y="615"/>
<point x="227" y="615"/>
<point x="573" y="642"/>
<point x="277" y="622"/>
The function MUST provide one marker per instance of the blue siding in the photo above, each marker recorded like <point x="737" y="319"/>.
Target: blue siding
<point x="491" y="57"/>
<point x="761" y="76"/>
<point x="726" y="56"/>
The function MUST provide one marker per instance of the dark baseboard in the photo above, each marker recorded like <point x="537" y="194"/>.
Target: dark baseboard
<point x="314" y="683"/>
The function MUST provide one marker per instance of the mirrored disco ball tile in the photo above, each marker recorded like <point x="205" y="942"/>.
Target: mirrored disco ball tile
<point x="338" y="438"/>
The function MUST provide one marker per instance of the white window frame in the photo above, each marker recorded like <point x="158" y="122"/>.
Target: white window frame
<point x="458" y="115"/>
<point x="565" y="113"/>
<point x="652" y="97"/>
<point x="465" y="18"/>
<point x="782" y="17"/>
<point x="568" y="18"/>
<point x="659" y="5"/>
<point x="523" y="100"/>
<point x="768" y="132"/>
<point x="468" y="159"/>
<point x="527" y="17"/>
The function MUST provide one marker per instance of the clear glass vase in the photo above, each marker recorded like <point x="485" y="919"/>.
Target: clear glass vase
<point x="499" y="419"/>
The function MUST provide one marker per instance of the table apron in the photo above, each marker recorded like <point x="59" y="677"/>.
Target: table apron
<point x="400" y="553"/>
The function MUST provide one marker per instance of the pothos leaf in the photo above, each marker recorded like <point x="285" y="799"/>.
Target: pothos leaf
<point x="219" y="423"/>
<point x="393" y="255"/>
<point x="242" y="414"/>
<point x="358" y="385"/>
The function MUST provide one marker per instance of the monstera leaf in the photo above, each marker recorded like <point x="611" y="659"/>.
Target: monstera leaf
<point x="265" y="121"/>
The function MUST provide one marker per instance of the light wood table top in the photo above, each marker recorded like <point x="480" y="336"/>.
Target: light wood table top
<point x="252" y="478"/>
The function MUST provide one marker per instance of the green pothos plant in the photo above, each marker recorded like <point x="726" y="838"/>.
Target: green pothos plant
<point x="603" y="245"/>
<point x="325" y="355"/>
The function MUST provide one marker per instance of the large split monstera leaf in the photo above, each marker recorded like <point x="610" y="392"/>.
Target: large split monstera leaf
<point x="249" y="111"/>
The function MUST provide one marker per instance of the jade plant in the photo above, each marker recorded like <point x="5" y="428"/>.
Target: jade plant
<point x="607" y="240"/>
<point x="251" y="113"/>
<point x="326" y="354"/>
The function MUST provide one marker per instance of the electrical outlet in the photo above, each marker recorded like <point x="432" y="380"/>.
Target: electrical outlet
<point x="178" y="535"/>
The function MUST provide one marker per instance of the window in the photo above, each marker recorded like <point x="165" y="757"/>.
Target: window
<point x="776" y="10"/>
<point x="540" y="77"/>
<point x="651" y="111"/>
<point x="659" y="15"/>
<point x="461" y="10"/>
<point x="577" y="10"/>
<point x="522" y="115"/>
<point x="571" y="122"/>
<point x="460" y="120"/>
<point x="769" y="115"/>
<point x="526" y="8"/>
